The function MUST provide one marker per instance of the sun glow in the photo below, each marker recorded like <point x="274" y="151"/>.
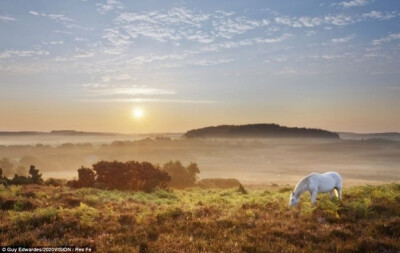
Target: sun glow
<point x="138" y="113"/>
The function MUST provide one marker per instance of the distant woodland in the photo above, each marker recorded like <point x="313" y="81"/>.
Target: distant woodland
<point x="259" y="131"/>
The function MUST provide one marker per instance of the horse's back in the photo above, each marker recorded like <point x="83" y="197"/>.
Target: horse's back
<point x="326" y="182"/>
<point x="334" y="175"/>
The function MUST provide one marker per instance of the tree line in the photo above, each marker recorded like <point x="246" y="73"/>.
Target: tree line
<point x="34" y="177"/>
<point x="259" y="131"/>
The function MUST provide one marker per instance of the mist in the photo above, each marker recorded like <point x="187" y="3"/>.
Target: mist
<point x="253" y="161"/>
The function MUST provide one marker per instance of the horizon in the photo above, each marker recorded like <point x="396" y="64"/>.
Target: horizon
<point x="183" y="132"/>
<point x="135" y="67"/>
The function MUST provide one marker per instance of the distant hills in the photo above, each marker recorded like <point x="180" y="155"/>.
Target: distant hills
<point x="229" y="131"/>
<point x="394" y="136"/>
<point x="259" y="131"/>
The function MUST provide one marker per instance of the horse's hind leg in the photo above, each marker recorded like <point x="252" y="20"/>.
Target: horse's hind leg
<point x="339" y="191"/>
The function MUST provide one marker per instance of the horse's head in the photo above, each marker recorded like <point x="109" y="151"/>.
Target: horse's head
<point x="293" y="199"/>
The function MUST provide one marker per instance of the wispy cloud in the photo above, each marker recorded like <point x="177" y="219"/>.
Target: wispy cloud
<point x="389" y="38"/>
<point x="380" y="15"/>
<point x="34" y="13"/>
<point x="133" y="90"/>
<point x="79" y="53"/>
<point x="6" y="18"/>
<point x="213" y="62"/>
<point x="60" y="18"/>
<point x="22" y="53"/>
<point x="163" y="25"/>
<point x="353" y="3"/>
<point x="305" y="21"/>
<point x="226" y="28"/>
<point x="152" y="100"/>
<point x="109" y="5"/>
<point x="115" y="77"/>
<point x="343" y="39"/>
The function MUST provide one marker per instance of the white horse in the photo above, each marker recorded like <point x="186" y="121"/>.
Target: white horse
<point x="315" y="183"/>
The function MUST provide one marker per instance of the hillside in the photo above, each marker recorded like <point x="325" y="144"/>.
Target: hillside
<point x="196" y="220"/>
<point x="259" y="131"/>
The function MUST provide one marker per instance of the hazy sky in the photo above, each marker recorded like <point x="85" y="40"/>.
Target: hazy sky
<point x="87" y="65"/>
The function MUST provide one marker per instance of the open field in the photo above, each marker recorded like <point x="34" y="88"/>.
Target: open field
<point x="195" y="220"/>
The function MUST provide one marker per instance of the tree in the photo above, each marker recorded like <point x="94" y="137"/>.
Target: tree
<point x="86" y="177"/>
<point x="181" y="177"/>
<point x="36" y="177"/>
<point x="130" y="175"/>
<point x="7" y="166"/>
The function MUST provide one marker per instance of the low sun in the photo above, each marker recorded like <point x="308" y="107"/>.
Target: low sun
<point x="138" y="113"/>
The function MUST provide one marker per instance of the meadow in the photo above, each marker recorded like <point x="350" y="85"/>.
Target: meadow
<point x="201" y="220"/>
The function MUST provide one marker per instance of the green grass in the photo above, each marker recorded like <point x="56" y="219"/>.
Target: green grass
<point x="201" y="220"/>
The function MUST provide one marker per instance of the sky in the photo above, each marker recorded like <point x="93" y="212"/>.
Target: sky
<point x="89" y="65"/>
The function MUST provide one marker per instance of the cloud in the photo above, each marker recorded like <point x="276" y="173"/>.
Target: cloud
<point x="152" y="100"/>
<point x="21" y="53"/>
<point x="79" y="53"/>
<point x="342" y="40"/>
<point x="226" y="28"/>
<point x="116" y="41"/>
<point x="389" y="38"/>
<point x="117" y="91"/>
<point x="213" y="62"/>
<point x="34" y="13"/>
<point x="174" y="24"/>
<point x="115" y="77"/>
<point x="246" y="42"/>
<point x="109" y="5"/>
<point x="305" y="21"/>
<point x="291" y="71"/>
<point x="60" y="18"/>
<point x="353" y="3"/>
<point x="380" y="15"/>
<point x="6" y="18"/>
<point x="133" y="91"/>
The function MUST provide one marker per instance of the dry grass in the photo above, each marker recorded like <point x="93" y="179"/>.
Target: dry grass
<point x="201" y="220"/>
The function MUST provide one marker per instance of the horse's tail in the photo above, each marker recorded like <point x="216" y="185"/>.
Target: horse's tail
<point x="335" y="190"/>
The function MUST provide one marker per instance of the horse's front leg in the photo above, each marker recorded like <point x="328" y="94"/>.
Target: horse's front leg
<point x="313" y="197"/>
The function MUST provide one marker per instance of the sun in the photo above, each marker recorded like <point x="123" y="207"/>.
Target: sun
<point x="138" y="113"/>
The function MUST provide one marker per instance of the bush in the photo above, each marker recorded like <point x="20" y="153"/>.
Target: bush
<point x="86" y="177"/>
<point x="181" y="177"/>
<point x="130" y="175"/>
<point x="55" y="182"/>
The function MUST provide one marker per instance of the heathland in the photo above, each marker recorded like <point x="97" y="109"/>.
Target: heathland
<point x="200" y="220"/>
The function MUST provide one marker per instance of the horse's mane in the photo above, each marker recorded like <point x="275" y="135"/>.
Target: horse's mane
<point x="302" y="185"/>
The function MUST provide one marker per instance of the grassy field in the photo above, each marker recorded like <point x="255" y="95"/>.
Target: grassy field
<point x="196" y="220"/>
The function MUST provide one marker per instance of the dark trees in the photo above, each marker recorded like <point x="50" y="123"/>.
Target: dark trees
<point x="35" y="177"/>
<point x="130" y="175"/>
<point x="86" y="177"/>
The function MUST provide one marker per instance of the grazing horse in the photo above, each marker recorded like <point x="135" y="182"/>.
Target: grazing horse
<point x="315" y="183"/>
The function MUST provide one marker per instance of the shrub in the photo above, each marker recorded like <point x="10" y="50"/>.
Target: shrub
<point x="181" y="177"/>
<point x="55" y="182"/>
<point x="131" y="175"/>
<point x="86" y="177"/>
